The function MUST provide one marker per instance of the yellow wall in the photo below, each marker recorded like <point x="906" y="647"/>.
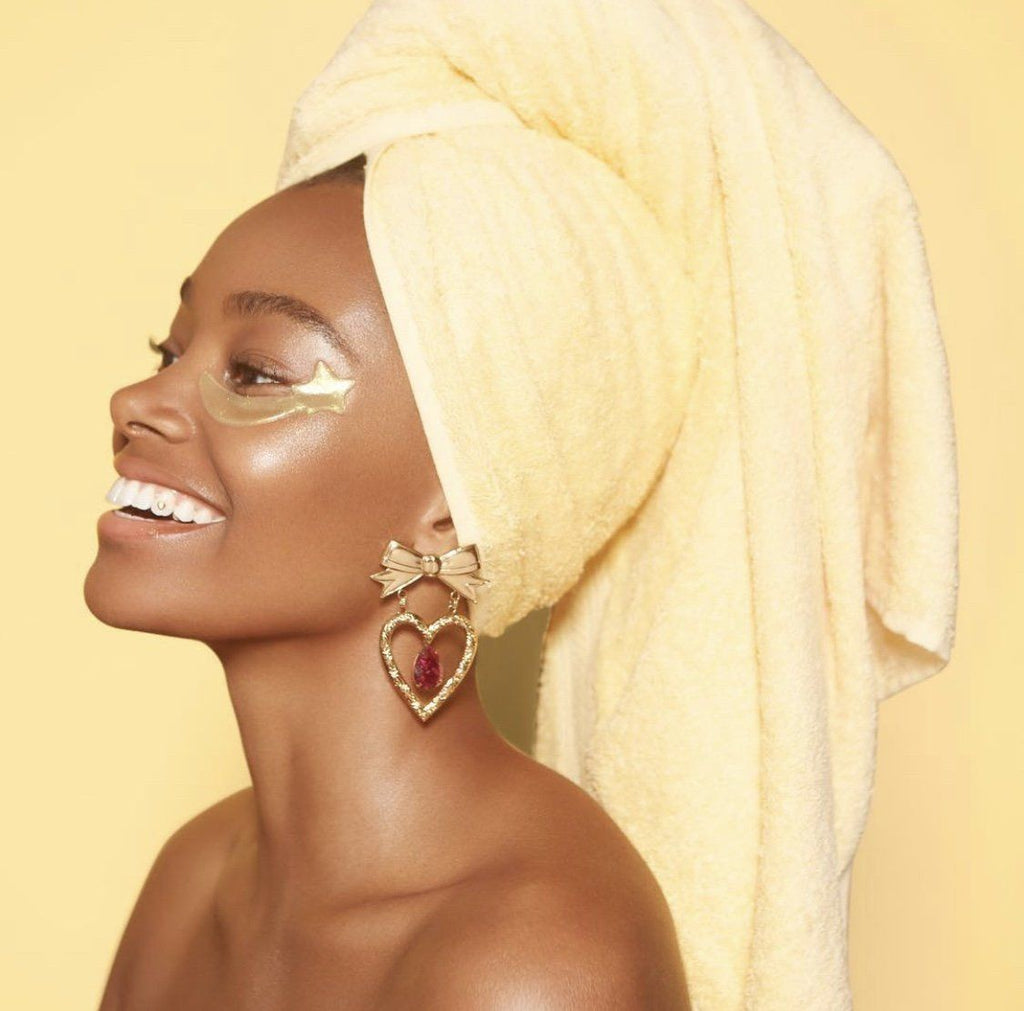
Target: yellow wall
<point x="132" y="133"/>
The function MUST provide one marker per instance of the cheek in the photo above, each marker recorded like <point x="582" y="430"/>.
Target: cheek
<point x="318" y="487"/>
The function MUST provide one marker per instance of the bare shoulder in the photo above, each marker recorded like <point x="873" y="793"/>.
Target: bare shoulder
<point x="188" y="863"/>
<point x="552" y="943"/>
<point x="175" y="892"/>
<point x="577" y="920"/>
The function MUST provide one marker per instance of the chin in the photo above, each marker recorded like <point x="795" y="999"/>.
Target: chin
<point x="186" y="609"/>
<point x="119" y="603"/>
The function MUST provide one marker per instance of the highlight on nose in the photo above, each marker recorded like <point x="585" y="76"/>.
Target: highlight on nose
<point x="147" y="406"/>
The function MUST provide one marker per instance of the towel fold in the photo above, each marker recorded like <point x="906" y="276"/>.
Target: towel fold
<point x="667" y="317"/>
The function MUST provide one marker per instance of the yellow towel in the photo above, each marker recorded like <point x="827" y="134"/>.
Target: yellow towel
<point x="668" y="320"/>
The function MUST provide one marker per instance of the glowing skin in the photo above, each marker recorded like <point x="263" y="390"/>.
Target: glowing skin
<point x="365" y="864"/>
<point x="324" y="392"/>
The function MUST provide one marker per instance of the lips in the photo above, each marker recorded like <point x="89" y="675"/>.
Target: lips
<point x="153" y="501"/>
<point x="170" y="494"/>
<point x="154" y="505"/>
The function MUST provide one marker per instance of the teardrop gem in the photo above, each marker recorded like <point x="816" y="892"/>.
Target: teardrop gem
<point x="427" y="672"/>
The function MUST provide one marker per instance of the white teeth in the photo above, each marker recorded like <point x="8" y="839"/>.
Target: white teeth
<point x="114" y="495"/>
<point x="143" y="498"/>
<point x="164" y="503"/>
<point x="184" y="510"/>
<point x="161" y="501"/>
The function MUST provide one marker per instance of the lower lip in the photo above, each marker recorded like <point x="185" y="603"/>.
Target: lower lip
<point x="117" y="526"/>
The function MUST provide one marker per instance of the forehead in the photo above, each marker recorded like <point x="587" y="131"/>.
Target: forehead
<point x="308" y="241"/>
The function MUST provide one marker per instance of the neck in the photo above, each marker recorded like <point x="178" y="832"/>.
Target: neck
<point x="353" y="796"/>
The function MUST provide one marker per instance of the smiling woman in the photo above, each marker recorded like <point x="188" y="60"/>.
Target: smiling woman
<point x="287" y="462"/>
<point x="573" y="304"/>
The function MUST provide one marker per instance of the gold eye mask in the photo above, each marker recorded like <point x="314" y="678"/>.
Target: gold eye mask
<point x="324" y="392"/>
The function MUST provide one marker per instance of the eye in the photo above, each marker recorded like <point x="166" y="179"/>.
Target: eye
<point x="239" y="368"/>
<point x="252" y="374"/>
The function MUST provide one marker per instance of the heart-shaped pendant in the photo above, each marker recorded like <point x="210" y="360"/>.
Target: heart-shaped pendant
<point x="425" y="710"/>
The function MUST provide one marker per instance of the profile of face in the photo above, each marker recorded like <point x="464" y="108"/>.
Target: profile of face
<point x="307" y="442"/>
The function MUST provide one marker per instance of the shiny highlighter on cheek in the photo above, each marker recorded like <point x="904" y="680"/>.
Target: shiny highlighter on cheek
<point x="324" y="392"/>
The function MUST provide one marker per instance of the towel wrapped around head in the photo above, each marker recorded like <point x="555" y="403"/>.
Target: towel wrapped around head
<point x="667" y="318"/>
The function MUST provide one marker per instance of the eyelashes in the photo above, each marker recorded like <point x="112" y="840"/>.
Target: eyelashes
<point x="238" y="366"/>
<point x="324" y="391"/>
<point x="162" y="352"/>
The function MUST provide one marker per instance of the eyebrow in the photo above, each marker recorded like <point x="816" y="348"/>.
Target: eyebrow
<point x="250" y="304"/>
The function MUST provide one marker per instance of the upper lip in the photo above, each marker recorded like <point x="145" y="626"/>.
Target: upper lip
<point x="134" y="469"/>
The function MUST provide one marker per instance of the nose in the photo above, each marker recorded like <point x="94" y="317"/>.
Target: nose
<point x="154" y="408"/>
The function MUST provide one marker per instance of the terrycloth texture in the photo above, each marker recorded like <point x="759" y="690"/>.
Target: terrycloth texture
<point x="668" y="321"/>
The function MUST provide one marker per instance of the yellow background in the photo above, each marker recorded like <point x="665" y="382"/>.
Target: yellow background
<point x="132" y="133"/>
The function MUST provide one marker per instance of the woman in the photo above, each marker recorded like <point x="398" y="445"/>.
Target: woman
<point x="371" y="864"/>
<point x="622" y="321"/>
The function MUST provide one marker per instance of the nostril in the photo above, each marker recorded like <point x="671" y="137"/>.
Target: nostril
<point x="163" y="421"/>
<point x="153" y="407"/>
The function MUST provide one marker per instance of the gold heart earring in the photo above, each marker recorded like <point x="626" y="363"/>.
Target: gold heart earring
<point x="458" y="569"/>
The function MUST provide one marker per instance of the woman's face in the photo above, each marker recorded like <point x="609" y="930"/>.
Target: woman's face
<point x="310" y="499"/>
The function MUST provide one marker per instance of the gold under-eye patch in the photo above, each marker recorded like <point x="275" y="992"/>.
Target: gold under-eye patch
<point x="324" y="392"/>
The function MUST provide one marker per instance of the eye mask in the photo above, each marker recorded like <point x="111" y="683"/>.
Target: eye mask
<point x="324" y="392"/>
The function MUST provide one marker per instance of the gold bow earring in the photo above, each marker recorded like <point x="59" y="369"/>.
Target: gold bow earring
<point x="457" y="569"/>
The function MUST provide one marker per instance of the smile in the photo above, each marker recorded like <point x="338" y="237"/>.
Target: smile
<point x="144" y="502"/>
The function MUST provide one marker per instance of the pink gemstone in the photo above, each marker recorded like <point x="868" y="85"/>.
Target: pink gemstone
<point x="427" y="672"/>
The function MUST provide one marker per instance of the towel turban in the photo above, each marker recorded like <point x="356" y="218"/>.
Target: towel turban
<point x="666" y="315"/>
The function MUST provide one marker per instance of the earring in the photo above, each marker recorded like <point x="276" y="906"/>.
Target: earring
<point x="458" y="569"/>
